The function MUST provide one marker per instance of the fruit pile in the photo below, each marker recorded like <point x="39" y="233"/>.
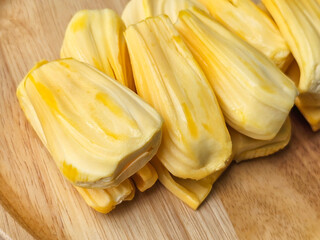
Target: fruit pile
<point x="173" y="90"/>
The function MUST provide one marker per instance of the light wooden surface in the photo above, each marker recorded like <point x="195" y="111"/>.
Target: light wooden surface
<point x="269" y="198"/>
<point x="10" y="226"/>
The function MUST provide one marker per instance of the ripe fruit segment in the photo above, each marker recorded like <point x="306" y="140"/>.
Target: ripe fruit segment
<point x="254" y="95"/>
<point x="96" y="37"/>
<point x="299" y="23"/>
<point x="98" y="132"/>
<point x="138" y="10"/>
<point x="250" y="23"/>
<point x="195" y="142"/>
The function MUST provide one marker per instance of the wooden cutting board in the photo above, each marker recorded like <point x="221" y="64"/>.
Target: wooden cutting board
<point x="269" y="198"/>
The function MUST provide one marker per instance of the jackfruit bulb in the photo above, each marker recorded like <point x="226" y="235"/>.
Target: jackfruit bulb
<point x="104" y="200"/>
<point x="196" y="142"/>
<point x="98" y="132"/>
<point x="299" y="23"/>
<point x="246" y="148"/>
<point x="96" y="37"/>
<point x="254" y="95"/>
<point x="138" y="10"/>
<point x="249" y="22"/>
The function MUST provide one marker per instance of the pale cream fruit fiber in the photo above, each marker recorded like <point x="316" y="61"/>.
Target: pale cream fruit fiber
<point x="254" y="95"/>
<point x="250" y="23"/>
<point x="96" y="37"/>
<point x="98" y="132"/>
<point x="246" y="148"/>
<point x="138" y="10"/>
<point x="299" y="23"/>
<point x="196" y="142"/>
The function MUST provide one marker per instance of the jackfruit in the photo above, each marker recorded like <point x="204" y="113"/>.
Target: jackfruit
<point x="250" y="23"/>
<point x="308" y="108"/>
<point x="196" y="142"/>
<point x="104" y="200"/>
<point x="299" y="23"/>
<point x="96" y="37"/>
<point x="145" y="178"/>
<point x="138" y="10"/>
<point x="192" y="192"/>
<point x="245" y="148"/>
<point x="98" y="132"/>
<point x="254" y="95"/>
<point x="262" y="7"/>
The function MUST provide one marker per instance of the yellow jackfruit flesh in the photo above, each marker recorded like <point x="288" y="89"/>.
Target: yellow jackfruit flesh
<point x="104" y="200"/>
<point x="96" y="37"/>
<point x="307" y="107"/>
<point x="138" y="10"/>
<point x="192" y="192"/>
<point x="254" y="95"/>
<point x="245" y="148"/>
<point x="293" y="72"/>
<point x="145" y="178"/>
<point x="299" y="23"/>
<point x="250" y="23"/>
<point x="262" y="7"/>
<point x="98" y="132"/>
<point x="195" y="142"/>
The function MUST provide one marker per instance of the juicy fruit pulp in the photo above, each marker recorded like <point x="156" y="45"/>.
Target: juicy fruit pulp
<point x="98" y="132"/>
<point x="96" y="37"/>
<point x="299" y="23"/>
<point x="250" y="23"/>
<point x="195" y="142"/>
<point x="254" y="95"/>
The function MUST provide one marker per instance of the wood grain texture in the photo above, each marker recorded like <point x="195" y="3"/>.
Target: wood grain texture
<point x="269" y="198"/>
<point x="11" y="226"/>
<point x="277" y="197"/>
